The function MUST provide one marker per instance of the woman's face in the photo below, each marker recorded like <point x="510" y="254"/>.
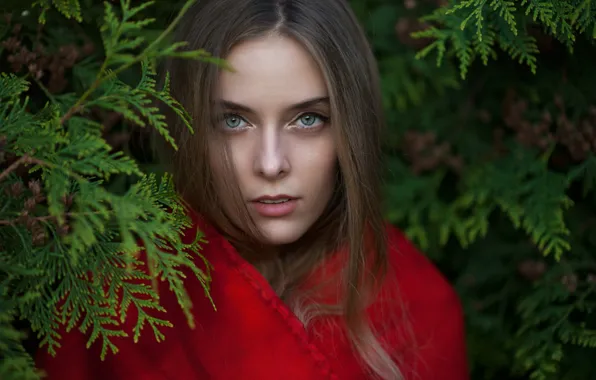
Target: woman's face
<point x="276" y="123"/>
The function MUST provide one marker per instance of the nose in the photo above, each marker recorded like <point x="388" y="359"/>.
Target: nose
<point x="271" y="161"/>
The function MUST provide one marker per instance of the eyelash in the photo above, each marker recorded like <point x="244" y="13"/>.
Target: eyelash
<point x="324" y="120"/>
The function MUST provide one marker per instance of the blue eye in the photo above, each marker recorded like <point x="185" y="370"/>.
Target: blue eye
<point x="232" y="121"/>
<point x="310" y="120"/>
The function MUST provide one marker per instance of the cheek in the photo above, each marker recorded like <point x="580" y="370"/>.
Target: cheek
<point x="328" y="168"/>
<point x="321" y="167"/>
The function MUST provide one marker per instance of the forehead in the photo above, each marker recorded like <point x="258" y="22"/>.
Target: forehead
<point x="271" y="71"/>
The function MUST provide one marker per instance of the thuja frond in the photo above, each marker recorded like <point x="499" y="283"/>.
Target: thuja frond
<point x="148" y="87"/>
<point x="165" y="254"/>
<point x="586" y="171"/>
<point x="138" y="104"/>
<point x="451" y="35"/>
<point x="583" y="17"/>
<point x="533" y="197"/>
<point x="12" y="86"/>
<point x="523" y="49"/>
<point x="117" y="33"/>
<point x="414" y="202"/>
<point x="95" y="291"/>
<point x="467" y="217"/>
<point x="14" y="357"/>
<point x="518" y="185"/>
<point x="123" y="51"/>
<point x="476" y="27"/>
<point x="418" y="193"/>
<point x="547" y="324"/>
<point x="82" y="239"/>
<point x="68" y="8"/>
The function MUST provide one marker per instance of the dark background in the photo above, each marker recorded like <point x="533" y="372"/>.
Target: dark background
<point x="491" y="174"/>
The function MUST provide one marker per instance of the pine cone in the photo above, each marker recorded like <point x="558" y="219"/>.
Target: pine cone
<point x="67" y="200"/>
<point x="532" y="269"/>
<point x="11" y="44"/>
<point x="16" y="189"/>
<point x="570" y="282"/>
<point x="30" y="204"/>
<point x="35" y="187"/>
<point x="39" y="235"/>
<point x="63" y="229"/>
<point x="410" y="4"/>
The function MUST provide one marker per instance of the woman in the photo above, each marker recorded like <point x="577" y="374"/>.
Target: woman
<point x="282" y="176"/>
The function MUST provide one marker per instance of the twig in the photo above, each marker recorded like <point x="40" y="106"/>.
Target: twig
<point x="10" y="222"/>
<point x="100" y="78"/>
<point x="44" y="89"/>
<point x="23" y="160"/>
<point x="39" y="162"/>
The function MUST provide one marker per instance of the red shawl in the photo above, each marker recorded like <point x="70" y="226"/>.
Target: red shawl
<point x="254" y="335"/>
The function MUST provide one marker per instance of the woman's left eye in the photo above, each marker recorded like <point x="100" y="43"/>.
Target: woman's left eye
<point x="310" y="120"/>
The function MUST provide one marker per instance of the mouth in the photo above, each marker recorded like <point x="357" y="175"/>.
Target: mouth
<point x="274" y="199"/>
<point x="275" y="206"/>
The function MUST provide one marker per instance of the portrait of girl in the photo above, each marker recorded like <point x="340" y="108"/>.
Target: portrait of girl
<point x="283" y="176"/>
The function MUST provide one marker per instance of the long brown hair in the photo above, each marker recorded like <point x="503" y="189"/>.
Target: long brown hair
<point x="329" y="31"/>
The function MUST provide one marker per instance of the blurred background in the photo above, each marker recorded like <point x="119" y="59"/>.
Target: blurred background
<point x="490" y="153"/>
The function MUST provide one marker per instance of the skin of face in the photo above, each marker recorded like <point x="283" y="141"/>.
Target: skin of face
<point x="277" y="126"/>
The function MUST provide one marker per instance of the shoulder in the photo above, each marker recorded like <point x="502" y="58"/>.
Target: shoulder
<point x="419" y="315"/>
<point x="418" y="279"/>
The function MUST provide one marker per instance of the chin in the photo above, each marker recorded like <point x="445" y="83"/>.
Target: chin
<point x="281" y="233"/>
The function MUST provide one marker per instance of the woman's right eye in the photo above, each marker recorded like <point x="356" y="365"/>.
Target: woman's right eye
<point x="232" y="121"/>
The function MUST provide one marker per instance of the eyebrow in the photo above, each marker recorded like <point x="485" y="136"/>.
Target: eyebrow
<point x="294" y="107"/>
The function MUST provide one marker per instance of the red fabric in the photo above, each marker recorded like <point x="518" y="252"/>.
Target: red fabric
<point x="253" y="334"/>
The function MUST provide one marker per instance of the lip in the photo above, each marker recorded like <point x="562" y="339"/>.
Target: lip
<point x="273" y="197"/>
<point x="274" y="210"/>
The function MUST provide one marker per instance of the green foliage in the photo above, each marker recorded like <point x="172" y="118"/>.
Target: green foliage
<point x="476" y="28"/>
<point x="68" y="243"/>
<point x="547" y="325"/>
<point x="16" y="361"/>
<point x="491" y="170"/>
<point x="510" y="183"/>
<point x="68" y="8"/>
<point x="493" y="173"/>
